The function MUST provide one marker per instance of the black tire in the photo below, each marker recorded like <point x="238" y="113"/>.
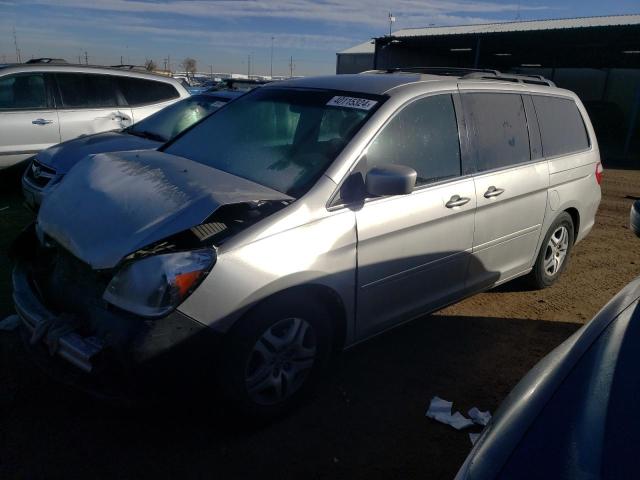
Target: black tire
<point x="238" y="351"/>
<point x="539" y="278"/>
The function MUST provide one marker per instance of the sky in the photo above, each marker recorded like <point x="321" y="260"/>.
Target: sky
<point x="233" y="36"/>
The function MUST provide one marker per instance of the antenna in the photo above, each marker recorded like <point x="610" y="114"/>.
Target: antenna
<point x="15" y="42"/>
<point x="392" y="20"/>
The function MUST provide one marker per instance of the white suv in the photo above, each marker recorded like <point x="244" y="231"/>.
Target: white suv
<point x="45" y="104"/>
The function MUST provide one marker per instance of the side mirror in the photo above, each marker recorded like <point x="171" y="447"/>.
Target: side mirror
<point x="634" y="218"/>
<point x="390" y="180"/>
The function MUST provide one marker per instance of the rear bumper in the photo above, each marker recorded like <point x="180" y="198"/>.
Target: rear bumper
<point x="118" y="352"/>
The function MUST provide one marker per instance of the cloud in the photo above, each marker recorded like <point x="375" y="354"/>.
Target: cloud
<point x="362" y="12"/>
<point x="226" y="30"/>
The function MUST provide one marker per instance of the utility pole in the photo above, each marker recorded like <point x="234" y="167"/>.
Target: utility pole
<point x="86" y="58"/>
<point x="271" y="72"/>
<point x="15" y="42"/>
<point x="249" y="66"/>
<point x="291" y="67"/>
<point x="211" y="71"/>
<point x="121" y="62"/>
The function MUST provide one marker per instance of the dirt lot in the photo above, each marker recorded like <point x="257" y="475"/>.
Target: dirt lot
<point x="367" y="420"/>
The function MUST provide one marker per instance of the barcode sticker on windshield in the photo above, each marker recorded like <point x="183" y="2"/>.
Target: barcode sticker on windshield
<point x="218" y="104"/>
<point x="352" y="102"/>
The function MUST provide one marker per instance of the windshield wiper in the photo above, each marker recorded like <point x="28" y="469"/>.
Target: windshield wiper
<point x="147" y="134"/>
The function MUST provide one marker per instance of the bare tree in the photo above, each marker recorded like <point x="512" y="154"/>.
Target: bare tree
<point x="150" y="65"/>
<point x="190" y="66"/>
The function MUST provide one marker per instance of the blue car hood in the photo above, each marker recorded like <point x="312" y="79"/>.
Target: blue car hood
<point x="572" y="415"/>
<point x="65" y="155"/>
<point x="111" y="205"/>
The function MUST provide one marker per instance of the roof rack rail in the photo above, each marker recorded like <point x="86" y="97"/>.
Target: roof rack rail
<point x="46" y="60"/>
<point x="511" y="77"/>
<point x="456" y="71"/>
<point x="472" y="73"/>
<point x="127" y="67"/>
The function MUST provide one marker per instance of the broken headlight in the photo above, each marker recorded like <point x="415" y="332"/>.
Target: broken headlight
<point x="155" y="285"/>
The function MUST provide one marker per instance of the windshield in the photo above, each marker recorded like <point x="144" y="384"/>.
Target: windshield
<point x="170" y="121"/>
<point x="284" y="139"/>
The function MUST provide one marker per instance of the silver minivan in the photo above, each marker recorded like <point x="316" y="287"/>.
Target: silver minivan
<point x="301" y="219"/>
<point x="42" y="104"/>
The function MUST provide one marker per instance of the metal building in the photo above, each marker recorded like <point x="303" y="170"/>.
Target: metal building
<point x="597" y="57"/>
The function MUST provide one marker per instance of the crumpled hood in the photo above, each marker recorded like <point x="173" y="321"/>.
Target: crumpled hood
<point x="111" y="205"/>
<point x="65" y="155"/>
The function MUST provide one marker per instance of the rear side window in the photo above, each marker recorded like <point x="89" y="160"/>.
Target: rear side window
<point x="23" y="92"/>
<point x="561" y="125"/>
<point x="423" y="136"/>
<point x="81" y="90"/>
<point x="501" y="137"/>
<point x="138" y="91"/>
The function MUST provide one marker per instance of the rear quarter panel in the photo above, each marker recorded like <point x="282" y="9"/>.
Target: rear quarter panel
<point x="572" y="181"/>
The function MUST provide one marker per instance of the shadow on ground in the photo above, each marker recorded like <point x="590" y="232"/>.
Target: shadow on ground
<point x="366" y="421"/>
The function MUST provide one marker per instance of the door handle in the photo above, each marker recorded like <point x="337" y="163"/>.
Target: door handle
<point x="457" y="201"/>
<point x="493" y="192"/>
<point x="41" y="121"/>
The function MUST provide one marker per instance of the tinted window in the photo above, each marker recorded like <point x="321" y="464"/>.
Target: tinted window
<point x="501" y="137"/>
<point x="23" y="92"/>
<point x="561" y="126"/>
<point x="423" y="136"/>
<point x="80" y="90"/>
<point x="138" y="91"/>
<point x="272" y="136"/>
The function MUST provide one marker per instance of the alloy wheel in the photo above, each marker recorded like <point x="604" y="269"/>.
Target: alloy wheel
<point x="280" y="361"/>
<point x="556" y="251"/>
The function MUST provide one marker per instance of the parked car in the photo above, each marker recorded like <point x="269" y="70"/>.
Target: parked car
<point x="304" y="217"/>
<point x="49" y="166"/>
<point x="240" y="84"/>
<point x="42" y="104"/>
<point x="572" y="415"/>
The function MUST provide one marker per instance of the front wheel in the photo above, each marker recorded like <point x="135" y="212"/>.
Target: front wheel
<point x="272" y="357"/>
<point x="554" y="253"/>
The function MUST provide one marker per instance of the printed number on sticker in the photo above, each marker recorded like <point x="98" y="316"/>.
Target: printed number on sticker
<point x="352" y="102"/>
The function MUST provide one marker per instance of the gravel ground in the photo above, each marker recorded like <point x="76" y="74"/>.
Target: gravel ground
<point x="366" y="421"/>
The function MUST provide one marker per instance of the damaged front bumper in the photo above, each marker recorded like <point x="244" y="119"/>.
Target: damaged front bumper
<point x="44" y="326"/>
<point x="111" y="354"/>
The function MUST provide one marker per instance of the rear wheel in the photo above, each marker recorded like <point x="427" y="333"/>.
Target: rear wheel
<point x="273" y="356"/>
<point x="554" y="253"/>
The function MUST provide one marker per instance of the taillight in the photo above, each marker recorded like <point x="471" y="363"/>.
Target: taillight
<point x="599" y="171"/>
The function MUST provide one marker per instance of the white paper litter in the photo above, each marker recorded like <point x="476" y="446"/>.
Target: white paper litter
<point x="474" y="438"/>
<point x="479" y="417"/>
<point x="10" y="323"/>
<point x="440" y="410"/>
